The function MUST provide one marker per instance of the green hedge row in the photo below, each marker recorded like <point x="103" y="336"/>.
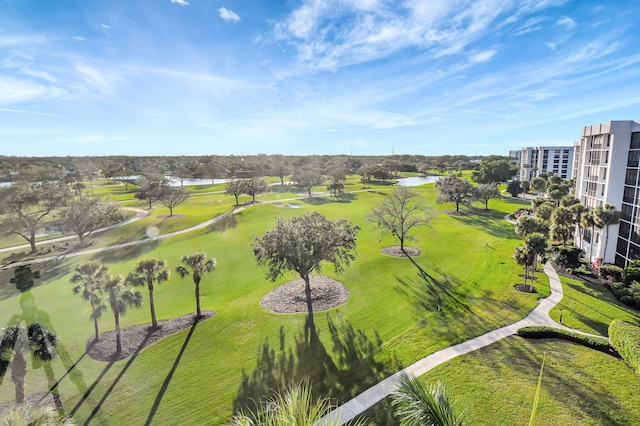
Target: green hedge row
<point x="625" y="338"/>
<point x="598" y="343"/>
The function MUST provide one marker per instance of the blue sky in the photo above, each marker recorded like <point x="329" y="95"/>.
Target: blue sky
<point x="432" y="77"/>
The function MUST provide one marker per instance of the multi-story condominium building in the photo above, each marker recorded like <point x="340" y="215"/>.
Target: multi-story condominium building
<point x="607" y="160"/>
<point x="544" y="159"/>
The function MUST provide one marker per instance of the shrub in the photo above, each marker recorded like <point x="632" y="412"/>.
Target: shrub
<point x="594" y="342"/>
<point x="610" y="272"/>
<point x="566" y="257"/>
<point x="625" y="338"/>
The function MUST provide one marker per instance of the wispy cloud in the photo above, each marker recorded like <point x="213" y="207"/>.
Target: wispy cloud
<point x="79" y="38"/>
<point x="180" y="2"/>
<point x="566" y="22"/>
<point x="14" y="90"/>
<point x="485" y="56"/>
<point x="105" y="26"/>
<point x="228" y="15"/>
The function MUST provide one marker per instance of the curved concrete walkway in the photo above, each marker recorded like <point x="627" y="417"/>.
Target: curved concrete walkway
<point x="538" y="316"/>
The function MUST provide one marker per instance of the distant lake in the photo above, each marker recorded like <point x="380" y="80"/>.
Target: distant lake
<point x="417" y="180"/>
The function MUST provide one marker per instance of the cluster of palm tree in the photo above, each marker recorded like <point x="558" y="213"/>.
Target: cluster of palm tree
<point x="101" y="289"/>
<point x="557" y="220"/>
<point x="416" y="404"/>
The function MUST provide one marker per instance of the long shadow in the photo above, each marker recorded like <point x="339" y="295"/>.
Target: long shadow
<point x="120" y="375"/>
<point x="88" y="392"/>
<point x="126" y="253"/>
<point x="228" y="222"/>
<point x="54" y="386"/>
<point x="167" y="380"/>
<point x="429" y="294"/>
<point x="316" y="201"/>
<point x="348" y="368"/>
<point x="490" y="221"/>
<point x="345" y="197"/>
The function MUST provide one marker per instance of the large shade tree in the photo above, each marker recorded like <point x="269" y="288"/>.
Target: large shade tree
<point x="254" y="186"/>
<point x="400" y="212"/>
<point x="85" y="215"/>
<point x="307" y="179"/>
<point x="171" y="197"/>
<point x="149" y="272"/>
<point x="302" y="243"/>
<point x="121" y="297"/>
<point x="26" y="206"/>
<point x="494" y="171"/>
<point x="196" y="265"/>
<point x="486" y="192"/>
<point x="89" y="279"/>
<point x="234" y="187"/>
<point x="454" y="189"/>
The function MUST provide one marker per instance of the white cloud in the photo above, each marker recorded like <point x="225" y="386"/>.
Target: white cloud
<point x="101" y="80"/>
<point x="13" y="90"/>
<point x="551" y="46"/>
<point x="79" y="38"/>
<point x="105" y="26"/>
<point x="485" y="56"/>
<point x="228" y="15"/>
<point x="180" y="2"/>
<point x="566" y="22"/>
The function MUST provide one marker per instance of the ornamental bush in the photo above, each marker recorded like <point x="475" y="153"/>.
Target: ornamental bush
<point x="541" y="332"/>
<point x="625" y="338"/>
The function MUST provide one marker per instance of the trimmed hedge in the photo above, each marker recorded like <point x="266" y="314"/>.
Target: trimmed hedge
<point x="594" y="342"/>
<point x="625" y="338"/>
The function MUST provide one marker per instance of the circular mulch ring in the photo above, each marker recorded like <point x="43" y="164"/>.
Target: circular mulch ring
<point x="396" y="252"/>
<point x="138" y="337"/>
<point x="326" y="293"/>
<point x="525" y="288"/>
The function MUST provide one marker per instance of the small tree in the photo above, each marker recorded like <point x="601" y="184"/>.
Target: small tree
<point x="301" y="243"/>
<point x="148" y="272"/>
<point x="486" y="192"/>
<point x="197" y="265"/>
<point x="400" y="212"/>
<point x="514" y="188"/>
<point x="121" y="298"/>
<point x="90" y="278"/>
<point x="528" y="224"/>
<point x="455" y="190"/>
<point x="254" y="186"/>
<point x="172" y="197"/>
<point x="235" y="187"/>
<point x="85" y="215"/>
<point x="150" y="187"/>
<point x="538" y="184"/>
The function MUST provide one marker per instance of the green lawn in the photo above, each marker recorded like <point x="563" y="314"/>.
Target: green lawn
<point x="394" y="311"/>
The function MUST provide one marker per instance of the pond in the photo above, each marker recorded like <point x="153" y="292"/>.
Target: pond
<point x="417" y="180"/>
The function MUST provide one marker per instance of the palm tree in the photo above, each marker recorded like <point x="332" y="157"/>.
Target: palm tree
<point x="19" y="340"/>
<point x="147" y="272"/>
<point x="418" y="405"/>
<point x="198" y="266"/>
<point x="120" y="299"/>
<point x="603" y="217"/>
<point x="562" y="218"/>
<point x="537" y="245"/>
<point x="587" y="220"/>
<point x="90" y="278"/>
<point x="523" y="258"/>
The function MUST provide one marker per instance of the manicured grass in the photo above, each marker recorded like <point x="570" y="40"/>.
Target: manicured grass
<point x="466" y="289"/>
<point x="590" y="307"/>
<point x="580" y="386"/>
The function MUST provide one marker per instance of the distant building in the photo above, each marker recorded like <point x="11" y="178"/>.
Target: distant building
<point x="515" y="153"/>
<point x="606" y="165"/>
<point x="545" y="159"/>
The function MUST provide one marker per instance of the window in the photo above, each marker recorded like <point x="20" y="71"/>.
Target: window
<point x="625" y="229"/>
<point x="634" y="157"/>
<point x="630" y="178"/>
<point x="629" y="195"/>
<point x="635" y="140"/>
<point x="627" y="211"/>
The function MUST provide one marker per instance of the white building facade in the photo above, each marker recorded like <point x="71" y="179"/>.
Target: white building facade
<point x="545" y="159"/>
<point x="606" y="170"/>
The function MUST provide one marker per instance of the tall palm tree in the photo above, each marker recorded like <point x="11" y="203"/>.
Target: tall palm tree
<point x="147" y="272"/>
<point x="562" y="218"/>
<point x="90" y="278"/>
<point x="587" y="221"/>
<point x="419" y="405"/>
<point x="20" y="340"/>
<point x="197" y="265"/>
<point x="603" y="217"/>
<point x="121" y="298"/>
<point x="523" y="258"/>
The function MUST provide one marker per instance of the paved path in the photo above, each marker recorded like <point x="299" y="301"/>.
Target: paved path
<point x="538" y="316"/>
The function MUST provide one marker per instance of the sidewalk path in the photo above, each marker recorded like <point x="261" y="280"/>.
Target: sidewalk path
<point x="538" y="316"/>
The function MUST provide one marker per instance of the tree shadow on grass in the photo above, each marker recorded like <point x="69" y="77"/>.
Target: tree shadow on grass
<point x="316" y="201"/>
<point x="344" y="370"/>
<point x="489" y="221"/>
<point x="117" y="255"/>
<point x="345" y="197"/>
<point x="167" y="380"/>
<point x="230" y="221"/>
<point x="428" y="293"/>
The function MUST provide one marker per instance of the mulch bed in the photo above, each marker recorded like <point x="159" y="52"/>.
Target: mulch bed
<point x="525" y="288"/>
<point x="396" y="252"/>
<point x="138" y="337"/>
<point x="326" y="293"/>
